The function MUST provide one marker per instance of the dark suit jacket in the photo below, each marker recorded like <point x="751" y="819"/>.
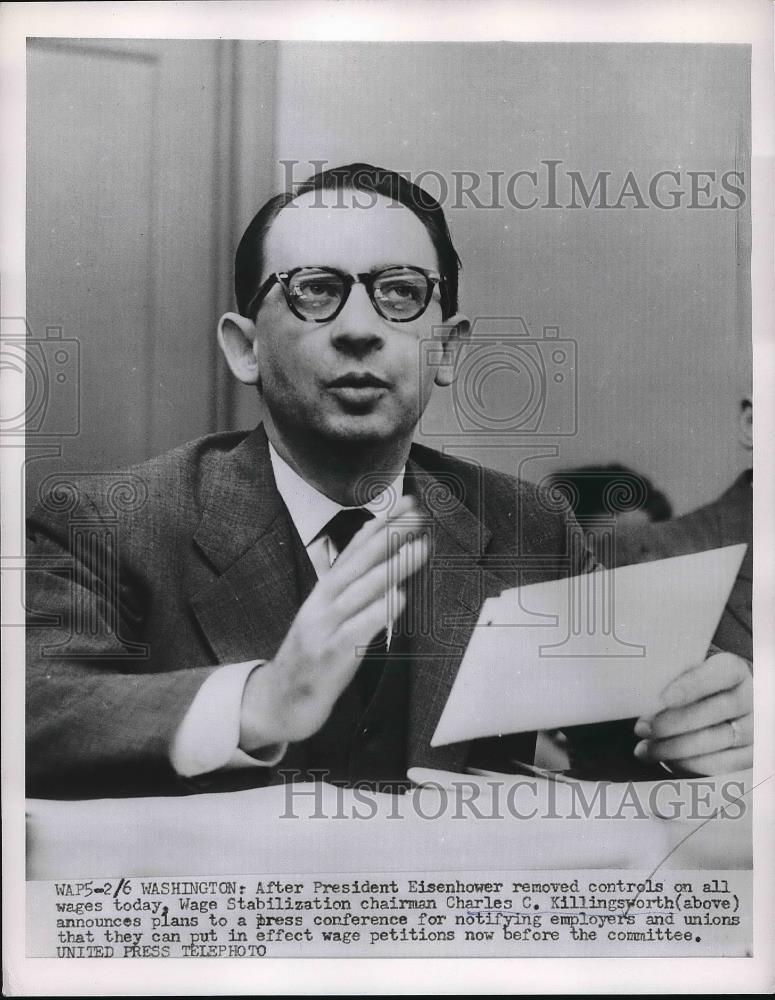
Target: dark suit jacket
<point x="605" y="750"/>
<point x="140" y="584"/>
<point x="726" y="521"/>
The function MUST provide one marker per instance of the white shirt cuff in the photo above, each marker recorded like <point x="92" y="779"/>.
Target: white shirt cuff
<point x="208" y="737"/>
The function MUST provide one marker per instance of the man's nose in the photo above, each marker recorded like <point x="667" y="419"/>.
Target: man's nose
<point x="358" y="328"/>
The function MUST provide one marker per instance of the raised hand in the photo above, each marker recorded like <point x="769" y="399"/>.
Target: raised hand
<point x="289" y="698"/>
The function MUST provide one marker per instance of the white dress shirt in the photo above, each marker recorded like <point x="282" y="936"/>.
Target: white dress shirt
<point x="208" y="737"/>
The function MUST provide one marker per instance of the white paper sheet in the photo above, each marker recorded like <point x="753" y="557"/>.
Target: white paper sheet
<point x="589" y="648"/>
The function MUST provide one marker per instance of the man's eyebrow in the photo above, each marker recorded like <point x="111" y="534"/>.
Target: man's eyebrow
<point x="384" y="267"/>
<point x="375" y="269"/>
<point x="400" y="263"/>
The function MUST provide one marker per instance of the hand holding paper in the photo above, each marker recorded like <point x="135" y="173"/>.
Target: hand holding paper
<point x="706" y="725"/>
<point x="594" y="648"/>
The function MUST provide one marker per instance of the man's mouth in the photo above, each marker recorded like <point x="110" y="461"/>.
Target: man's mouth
<point x="358" y="380"/>
<point x="358" y="389"/>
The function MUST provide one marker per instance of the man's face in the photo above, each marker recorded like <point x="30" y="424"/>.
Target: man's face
<point x="357" y="378"/>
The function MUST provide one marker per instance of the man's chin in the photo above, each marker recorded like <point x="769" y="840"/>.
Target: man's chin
<point x="362" y="430"/>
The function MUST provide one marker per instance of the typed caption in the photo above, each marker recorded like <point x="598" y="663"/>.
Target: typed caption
<point x="508" y="914"/>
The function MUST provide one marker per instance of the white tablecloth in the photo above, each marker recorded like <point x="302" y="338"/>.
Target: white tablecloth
<point x="322" y="829"/>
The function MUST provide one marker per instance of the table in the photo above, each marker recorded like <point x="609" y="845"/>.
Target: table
<point x="449" y="822"/>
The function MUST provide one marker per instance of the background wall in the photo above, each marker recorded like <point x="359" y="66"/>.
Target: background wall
<point x="656" y="301"/>
<point x="147" y="159"/>
<point x="141" y="175"/>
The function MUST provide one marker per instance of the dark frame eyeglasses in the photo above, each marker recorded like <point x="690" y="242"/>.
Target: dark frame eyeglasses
<point x="318" y="294"/>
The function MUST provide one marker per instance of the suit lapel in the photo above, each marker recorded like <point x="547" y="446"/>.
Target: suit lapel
<point x="246" y="534"/>
<point x="452" y="587"/>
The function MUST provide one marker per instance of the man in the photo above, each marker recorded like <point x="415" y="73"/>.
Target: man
<point x="605" y="749"/>
<point x="603" y="495"/>
<point x="242" y="639"/>
<point x="728" y="520"/>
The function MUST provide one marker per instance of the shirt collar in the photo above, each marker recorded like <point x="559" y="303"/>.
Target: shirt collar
<point x="310" y="509"/>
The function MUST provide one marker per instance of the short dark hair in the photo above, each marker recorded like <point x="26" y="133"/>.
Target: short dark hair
<point x="594" y="490"/>
<point x="249" y="260"/>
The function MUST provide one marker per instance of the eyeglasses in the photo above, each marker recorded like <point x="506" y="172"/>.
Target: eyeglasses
<point x="317" y="294"/>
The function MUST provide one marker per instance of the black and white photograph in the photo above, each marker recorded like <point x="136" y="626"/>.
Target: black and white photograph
<point x="381" y="578"/>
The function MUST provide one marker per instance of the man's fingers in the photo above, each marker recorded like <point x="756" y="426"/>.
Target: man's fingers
<point x="373" y="544"/>
<point x="357" y="632"/>
<point x="698" y="715"/>
<point x="381" y="579"/>
<point x="739" y="759"/>
<point x="718" y="673"/>
<point x="730" y="735"/>
<point x="405" y="505"/>
<point x="336" y="658"/>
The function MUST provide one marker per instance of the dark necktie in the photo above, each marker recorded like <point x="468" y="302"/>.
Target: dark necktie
<point x="341" y="529"/>
<point x="344" y="525"/>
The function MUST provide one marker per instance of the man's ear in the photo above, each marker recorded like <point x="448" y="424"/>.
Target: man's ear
<point x="745" y="427"/>
<point x="454" y="331"/>
<point x="236" y="335"/>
